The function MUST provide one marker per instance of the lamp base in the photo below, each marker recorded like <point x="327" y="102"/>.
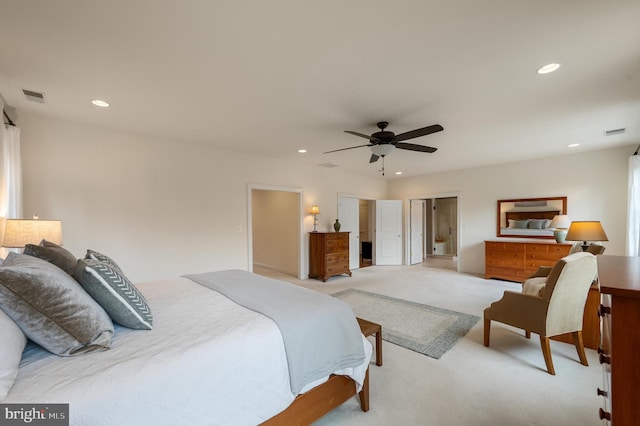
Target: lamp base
<point x="584" y="245"/>
<point x="560" y="234"/>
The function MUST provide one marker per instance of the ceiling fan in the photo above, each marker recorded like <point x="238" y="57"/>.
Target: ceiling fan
<point x="383" y="142"/>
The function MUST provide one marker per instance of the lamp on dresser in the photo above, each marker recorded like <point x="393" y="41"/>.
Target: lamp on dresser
<point x="315" y="211"/>
<point x="20" y="232"/>
<point x="586" y="231"/>
<point x="561" y="223"/>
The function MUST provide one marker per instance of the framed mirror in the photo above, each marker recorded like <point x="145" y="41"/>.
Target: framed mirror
<point x="529" y="217"/>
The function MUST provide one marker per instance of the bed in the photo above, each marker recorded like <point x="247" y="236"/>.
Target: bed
<point x="207" y="360"/>
<point x="533" y="223"/>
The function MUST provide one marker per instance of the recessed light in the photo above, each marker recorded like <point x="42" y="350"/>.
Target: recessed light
<point x="398" y="173"/>
<point x="302" y="151"/>
<point x="573" y="145"/>
<point x="548" y="68"/>
<point x="100" y="103"/>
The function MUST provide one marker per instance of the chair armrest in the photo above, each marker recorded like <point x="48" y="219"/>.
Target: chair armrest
<point x="524" y="311"/>
<point x="543" y="271"/>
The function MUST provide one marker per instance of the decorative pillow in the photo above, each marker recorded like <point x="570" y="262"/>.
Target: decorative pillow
<point x="51" y="308"/>
<point x="115" y="293"/>
<point x="521" y="224"/>
<point x="94" y="255"/>
<point x="534" y="286"/>
<point x="537" y="223"/>
<point x="13" y="342"/>
<point x="53" y="253"/>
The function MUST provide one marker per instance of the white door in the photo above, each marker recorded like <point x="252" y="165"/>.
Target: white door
<point x="416" y="218"/>
<point x="349" y="216"/>
<point x="388" y="232"/>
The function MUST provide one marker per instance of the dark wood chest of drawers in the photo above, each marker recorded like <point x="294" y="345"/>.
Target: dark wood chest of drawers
<point x="328" y="254"/>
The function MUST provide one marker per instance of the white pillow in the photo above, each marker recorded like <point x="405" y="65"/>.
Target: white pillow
<point x="13" y="342"/>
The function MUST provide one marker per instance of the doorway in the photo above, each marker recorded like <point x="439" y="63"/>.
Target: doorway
<point x="275" y="248"/>
<point x="434" y="231"/>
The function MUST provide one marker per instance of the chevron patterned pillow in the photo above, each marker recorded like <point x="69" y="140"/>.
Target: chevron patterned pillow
<point x="115" y="293"/>
<point x="94" y="255"/>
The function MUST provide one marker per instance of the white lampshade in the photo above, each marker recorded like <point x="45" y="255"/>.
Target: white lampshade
<point x="315" y="210"/>
<point x="20" y="232"/>
<point x="561" y="221"/>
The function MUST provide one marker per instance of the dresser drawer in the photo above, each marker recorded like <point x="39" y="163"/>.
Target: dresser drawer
<point x="337" y="246"/>
<point x="513" y="274"/>
<point x="339" y="258"/>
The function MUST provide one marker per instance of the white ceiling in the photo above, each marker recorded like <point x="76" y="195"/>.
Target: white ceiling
<point x="270" y="77"/>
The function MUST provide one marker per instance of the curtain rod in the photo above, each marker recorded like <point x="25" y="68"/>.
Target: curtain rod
<point x="9" y="121"/>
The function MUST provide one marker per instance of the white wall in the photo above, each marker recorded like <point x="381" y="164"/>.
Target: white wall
<point x="276" y="227"/>
<point x="161" y="208"/>
<point x="595" y="183"/>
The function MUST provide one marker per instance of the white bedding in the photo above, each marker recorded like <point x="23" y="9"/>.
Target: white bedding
<point x="548" y="232"/>
<point x="208" y="361"/>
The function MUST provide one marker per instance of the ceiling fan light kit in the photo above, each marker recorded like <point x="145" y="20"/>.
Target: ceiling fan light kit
<point x="382" y="143"/>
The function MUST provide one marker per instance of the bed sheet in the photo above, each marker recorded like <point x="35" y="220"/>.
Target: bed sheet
<point x="207" y="361"/>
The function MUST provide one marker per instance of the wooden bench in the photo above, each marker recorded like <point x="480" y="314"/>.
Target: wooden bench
<point x="368" y="328"/>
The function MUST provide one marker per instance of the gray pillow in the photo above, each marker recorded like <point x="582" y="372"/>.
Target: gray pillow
<point x="13" y="342"/>
<point x="115" y="293"/>
<point x="51" y="308"/>
<point x="94" y="255"/>
<point x="518" y="223"/>
<point x="537" y="223"/>
<point x="53" y="253"/>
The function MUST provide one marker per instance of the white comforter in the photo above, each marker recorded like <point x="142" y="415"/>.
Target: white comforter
<point x="208" y="361"/>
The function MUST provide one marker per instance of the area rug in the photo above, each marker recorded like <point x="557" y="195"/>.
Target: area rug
<point x="422" y="328"/>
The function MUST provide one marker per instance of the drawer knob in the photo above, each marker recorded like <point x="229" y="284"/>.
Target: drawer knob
<point x="605" y="415"/>
<point x="602" y="393"/>
<point x="604" y="310"/>
<point x="604" y="359"/>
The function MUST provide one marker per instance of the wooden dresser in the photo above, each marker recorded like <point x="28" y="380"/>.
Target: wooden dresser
<point x="515" y="260"/>
<point x="620" y="350"/>
<point x="328" y="254"/>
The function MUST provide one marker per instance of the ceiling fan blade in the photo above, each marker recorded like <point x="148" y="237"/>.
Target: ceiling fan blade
<point x="373" y="158"/>
<point x="414" y="147"/>
<point x="362" y="135"/>
<point x="344" y="149"/>
<point x="419" y="132"/>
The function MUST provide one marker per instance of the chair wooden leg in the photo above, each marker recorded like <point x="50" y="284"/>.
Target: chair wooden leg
<point x="527" y="334"/>
<point x="546" y="351"/>
<point x="577" y="340"/>
<point x="487" y="331"/>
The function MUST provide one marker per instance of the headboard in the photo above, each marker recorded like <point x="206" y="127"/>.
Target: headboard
<point x="520" y="215"/>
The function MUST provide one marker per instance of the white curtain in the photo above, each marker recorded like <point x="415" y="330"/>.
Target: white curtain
<point x="10" y="176"/>
<point x="633" y="214"/>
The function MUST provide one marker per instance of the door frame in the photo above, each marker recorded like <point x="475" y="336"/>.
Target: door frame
<point x="407" y="218"/>
<point x="301" y="234"/>
<point x="359" y="197"/>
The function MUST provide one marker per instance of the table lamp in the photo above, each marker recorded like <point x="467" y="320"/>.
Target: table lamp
<point x="315" y="211"/>
<point x="586" y="231"/>
<point x="20" y="232"/>
<point x="561" y="223"/>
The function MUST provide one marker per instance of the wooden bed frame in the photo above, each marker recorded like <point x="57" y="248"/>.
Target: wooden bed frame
<point x="310" y="406"/>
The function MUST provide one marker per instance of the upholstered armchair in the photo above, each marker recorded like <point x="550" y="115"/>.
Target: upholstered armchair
<point x="556" y="307"/>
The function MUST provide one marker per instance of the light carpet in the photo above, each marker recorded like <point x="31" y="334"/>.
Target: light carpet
<point x="472" y="385"/>
<point x="422" y="328"/>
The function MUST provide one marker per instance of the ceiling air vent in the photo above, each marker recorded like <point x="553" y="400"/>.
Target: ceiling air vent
<point x="33" y="96"/>
<point x="613" y="132"/>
